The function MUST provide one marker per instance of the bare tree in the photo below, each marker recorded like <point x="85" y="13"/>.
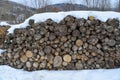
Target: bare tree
<point x="69" y="5"/>
<point x="118" y="6"/>
<point x="39" y="3"/>
<point x="98" y="4"/>
<point x="73" y="6"/>
<point x="90" y="3"/>
<point x="87" y="2"/>
<point x="104" y="5"/>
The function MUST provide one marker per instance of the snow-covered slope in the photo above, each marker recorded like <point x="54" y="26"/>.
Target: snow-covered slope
<point x="60" y="15"/>
<point x="8" y="73"/>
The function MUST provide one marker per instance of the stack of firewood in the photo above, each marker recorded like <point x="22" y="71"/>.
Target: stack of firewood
<point x="71" y="44"/>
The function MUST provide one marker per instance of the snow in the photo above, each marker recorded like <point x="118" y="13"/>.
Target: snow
<point x="4" y="23"/>
<point x="8" y="73"/>
<point x="58" y="16"/>
<point x="1" y="51"/>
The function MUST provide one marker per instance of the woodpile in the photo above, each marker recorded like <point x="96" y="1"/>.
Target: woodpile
<point x="72" y="44"/>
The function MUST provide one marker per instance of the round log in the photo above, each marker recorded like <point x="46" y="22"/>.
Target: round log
<point x="23" y="58"/>
<point x="29" y="54"/>
<point x="57" y="61"/>
<point x="67" y="58"/>
<point x="79" y="42"/>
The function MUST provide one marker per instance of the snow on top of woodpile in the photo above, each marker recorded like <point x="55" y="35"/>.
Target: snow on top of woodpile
<point x="58" y="16"/>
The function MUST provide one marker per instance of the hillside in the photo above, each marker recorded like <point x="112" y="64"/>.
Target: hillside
<point x="75" y="6"/>
<point x="63" y="7"/>
<point x="14" y="12"/>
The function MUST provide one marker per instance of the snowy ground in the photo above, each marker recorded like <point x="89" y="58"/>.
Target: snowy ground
<point x="8" y="73"/>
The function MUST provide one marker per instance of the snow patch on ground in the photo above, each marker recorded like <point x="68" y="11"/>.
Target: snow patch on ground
<point x="3" y="23"/>
<point x="1" y="51"/>
<point x="58" y="16"/>
<point x="8" y="73"/>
